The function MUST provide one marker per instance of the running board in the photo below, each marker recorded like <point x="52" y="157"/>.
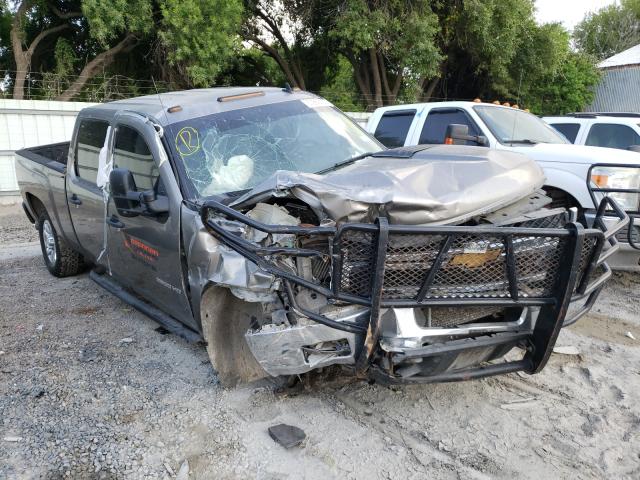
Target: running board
<point x="149" y="310"/>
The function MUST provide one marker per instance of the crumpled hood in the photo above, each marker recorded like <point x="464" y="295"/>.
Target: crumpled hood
<point x="441" y="184"/>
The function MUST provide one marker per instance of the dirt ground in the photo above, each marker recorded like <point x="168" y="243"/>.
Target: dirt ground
<point x="90" y="389"/>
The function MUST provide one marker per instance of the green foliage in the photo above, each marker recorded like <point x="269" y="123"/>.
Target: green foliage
<point x="403" y="32"/>
<point x="109" y="19"/>
<point x="6" y="59"/>
<point x="610" y="30"/>
<point x="201" y="34"/>
<point x="490" y="33"/>
<point x="65" y="57"/>
<point x="251" y="67"/>
<point x="569" y="89"/>
<point x="341" y="89"/>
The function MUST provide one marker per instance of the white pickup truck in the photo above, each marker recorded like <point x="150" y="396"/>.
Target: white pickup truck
<point x="610" y="129"/>
<point x="566" y="166"/>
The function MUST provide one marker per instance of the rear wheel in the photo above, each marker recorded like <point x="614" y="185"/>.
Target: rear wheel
<point x="61" y="260"/>
<point x="225" y="320"/>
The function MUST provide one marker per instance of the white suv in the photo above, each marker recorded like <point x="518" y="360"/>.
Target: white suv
<point x="612" y="130"/>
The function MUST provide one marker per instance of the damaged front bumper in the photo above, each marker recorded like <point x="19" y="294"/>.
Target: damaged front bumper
<point x="419" y="304"/>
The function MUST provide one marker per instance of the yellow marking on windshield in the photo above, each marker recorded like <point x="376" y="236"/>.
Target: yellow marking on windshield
<point x="187" y="141"/>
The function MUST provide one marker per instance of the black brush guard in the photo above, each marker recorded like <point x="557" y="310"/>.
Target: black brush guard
<point x="597" y="193"/>
<point x="382" y="266"/>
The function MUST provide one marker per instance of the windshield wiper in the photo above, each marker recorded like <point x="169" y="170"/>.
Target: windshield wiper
<point x="526" y="141"/>
<point x="346" y="162"/>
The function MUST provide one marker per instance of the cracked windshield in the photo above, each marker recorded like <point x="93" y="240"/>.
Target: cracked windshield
<point x="236" y="150"/>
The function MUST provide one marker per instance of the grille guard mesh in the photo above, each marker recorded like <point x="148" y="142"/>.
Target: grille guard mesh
<point x="381" y="266"/>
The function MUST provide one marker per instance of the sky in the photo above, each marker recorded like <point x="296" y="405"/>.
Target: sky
<point x="568" y="12"/>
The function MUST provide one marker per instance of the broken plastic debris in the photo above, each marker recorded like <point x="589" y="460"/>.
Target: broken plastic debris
<point x="630" y="335"/>
<point x="183" y="473"/>
<point x="287" y="435"/>
<point x="566" y="350"/>
<point x="169" y="469"/>
<point x="126" y="340"/>
<point x="12" y="439"/>
<point x="519" y="404"/>
<point x="40" y="327"/>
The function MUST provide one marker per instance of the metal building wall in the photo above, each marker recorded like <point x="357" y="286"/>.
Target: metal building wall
<point x="27" y="123"/>
<point x="618" y="91"/>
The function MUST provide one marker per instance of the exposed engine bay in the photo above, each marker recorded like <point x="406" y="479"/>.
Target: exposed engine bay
<point x="429" y="291"/>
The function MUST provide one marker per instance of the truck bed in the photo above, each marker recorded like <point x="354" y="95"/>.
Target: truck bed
<point x="52" y="156"/>
<point x="41" y="177"/>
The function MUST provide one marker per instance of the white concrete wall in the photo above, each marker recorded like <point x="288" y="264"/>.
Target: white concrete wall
<point x="28" y="123"/>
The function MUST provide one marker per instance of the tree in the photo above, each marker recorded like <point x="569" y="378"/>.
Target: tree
<point x="6" y="61"/>
<point x="610" y="30"/>
<point x="479" y="40"/>
<point x="566" y="90"/>
<point x="389" y="43"/>
<point x="264" y="25"/>
<point x="50" y="21"/>
<point x="196" y="37"/>
<point x="200" y="36"/>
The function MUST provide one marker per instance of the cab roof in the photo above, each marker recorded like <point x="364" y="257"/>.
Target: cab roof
<point x="197" y="102"/>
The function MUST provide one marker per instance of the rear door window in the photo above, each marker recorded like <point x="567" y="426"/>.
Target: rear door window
<point x="612" y="135"/>
<point x="90" y="139"/>
<point x="435" y="125"/>
<point x="393" y="127"/>
<point x="132" y="152"/>
<point x="569" y="130"/>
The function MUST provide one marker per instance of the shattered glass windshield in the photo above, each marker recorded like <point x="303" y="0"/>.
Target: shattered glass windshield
<point x="236" y="150"/>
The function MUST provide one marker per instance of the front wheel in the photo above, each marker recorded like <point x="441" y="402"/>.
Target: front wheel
<point x="225" y="320"/>
<point x="61" y="260"/>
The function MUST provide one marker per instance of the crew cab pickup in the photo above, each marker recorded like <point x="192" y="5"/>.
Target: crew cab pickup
<point x="565" y="166"/>
<point x="271" y="226"/>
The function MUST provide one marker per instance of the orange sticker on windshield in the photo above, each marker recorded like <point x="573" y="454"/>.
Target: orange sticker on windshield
<point x="187" y="141"/>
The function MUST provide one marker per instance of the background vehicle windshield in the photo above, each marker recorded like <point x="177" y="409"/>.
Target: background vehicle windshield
<point x="509" y="125"/>
<point x="236" y="150"/>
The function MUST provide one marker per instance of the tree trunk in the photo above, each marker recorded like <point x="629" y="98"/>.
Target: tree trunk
<point x="431" y="86"/>
<point x="282" y="63"/>
<point x="361" y="78"/>
<point x="22" y="56"/>
<point x="377" y="82"/>
<point x="19" y="53"/>
<point x="101" y="60"/>
<point x="293" y="67"/>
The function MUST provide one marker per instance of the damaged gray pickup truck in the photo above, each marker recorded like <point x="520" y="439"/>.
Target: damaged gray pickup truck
<point x="267" y="223"/>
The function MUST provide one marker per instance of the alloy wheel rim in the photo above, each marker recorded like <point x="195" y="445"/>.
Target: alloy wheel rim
<point x="49" y="241"/>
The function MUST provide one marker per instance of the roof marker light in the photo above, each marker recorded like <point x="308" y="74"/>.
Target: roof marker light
<point x="241" y="96"/>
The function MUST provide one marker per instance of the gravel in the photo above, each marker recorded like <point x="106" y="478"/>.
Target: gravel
<point x="98" y="393"/>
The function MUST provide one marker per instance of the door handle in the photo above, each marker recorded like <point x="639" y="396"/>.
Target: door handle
<point x="75" y="200"/>
<point x="115" y="222"/>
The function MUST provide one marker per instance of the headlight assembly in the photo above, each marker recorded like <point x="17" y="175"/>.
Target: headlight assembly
<point x="613" y="180"/>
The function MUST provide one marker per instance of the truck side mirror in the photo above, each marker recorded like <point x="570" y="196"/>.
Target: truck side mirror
<point x="156" y="204"/>
<point x="458" y="134"/>
<point x="123" y="191"/>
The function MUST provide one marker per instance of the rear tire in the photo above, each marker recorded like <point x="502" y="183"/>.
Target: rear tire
<point x="61" y="260"/>
<point x="225" y="320"/>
